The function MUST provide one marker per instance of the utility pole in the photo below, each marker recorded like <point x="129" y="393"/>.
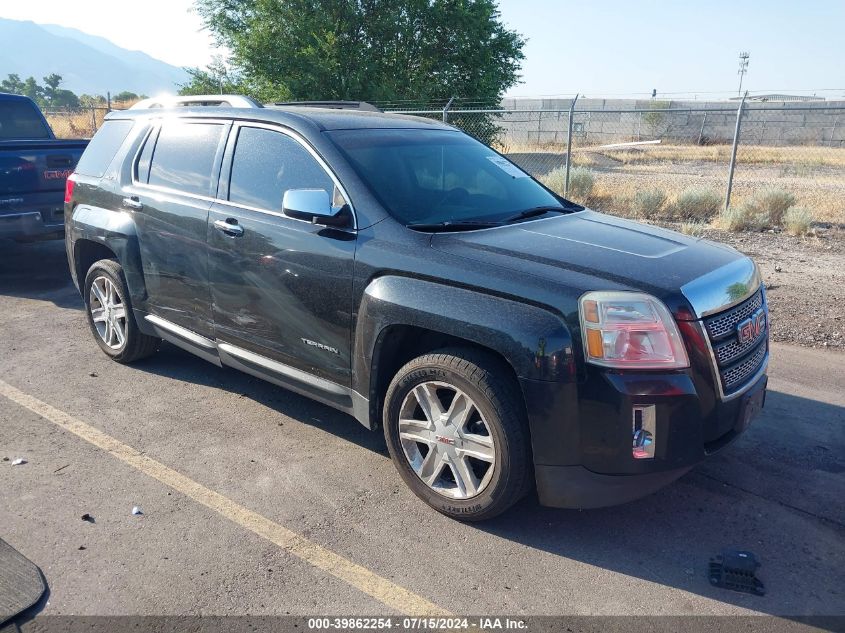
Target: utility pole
<point x="744" y="56"/>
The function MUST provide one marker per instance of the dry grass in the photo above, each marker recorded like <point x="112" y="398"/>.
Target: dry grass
<point x="802" y="156"/>
<point x="797" y="221"/>
<point x="80" y="124"/>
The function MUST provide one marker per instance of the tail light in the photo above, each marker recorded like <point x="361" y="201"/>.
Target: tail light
<point x="70" y="183"/>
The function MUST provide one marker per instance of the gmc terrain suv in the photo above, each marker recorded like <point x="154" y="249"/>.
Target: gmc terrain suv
<point x="396" y="269"/>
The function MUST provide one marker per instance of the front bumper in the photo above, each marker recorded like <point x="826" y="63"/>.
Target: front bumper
<point x="31" y="225"/>
<point x="600" y="468"/>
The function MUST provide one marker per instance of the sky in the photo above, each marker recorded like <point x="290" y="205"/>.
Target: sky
<point x="598" y="48"/>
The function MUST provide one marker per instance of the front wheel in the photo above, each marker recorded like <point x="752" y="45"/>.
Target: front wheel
<point x="455" y="428"/>
<point x="110" y="314"/>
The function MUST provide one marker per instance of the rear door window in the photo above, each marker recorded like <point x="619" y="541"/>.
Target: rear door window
<point x="102" y="148"/>
<point x="268" y="163"/>
<point x="184" y="156"/>
<point x="20" y="119"/>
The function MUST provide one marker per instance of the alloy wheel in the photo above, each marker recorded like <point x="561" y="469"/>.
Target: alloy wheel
<point x="446" y="440"/>
<point x="108" y="312"/>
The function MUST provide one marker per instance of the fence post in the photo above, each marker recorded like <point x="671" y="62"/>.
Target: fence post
<point x="446" y="110"/>
<point x="701" y="131"/>
<point x="569" y="146"/>
<point x="733" y="152"/>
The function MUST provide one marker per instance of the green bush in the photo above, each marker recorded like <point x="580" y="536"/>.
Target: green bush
<point x="693" y="228"/>
<point x="581" y="181"/>
<point x="770" y="205"/>
<point x="648" y="203"/>
<point x="555" y="180"/>
<point x="696" y="204"/>
<point x="742" y="218"/>
<point x="797" y="220"/>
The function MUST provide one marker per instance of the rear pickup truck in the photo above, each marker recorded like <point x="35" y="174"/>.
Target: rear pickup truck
<point x="34" y="166"/>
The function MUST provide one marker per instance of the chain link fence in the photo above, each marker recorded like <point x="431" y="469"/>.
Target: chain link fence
<point x="76" y="122"/>
<point x="675" y="163"/>
<point x="653" y="160"/>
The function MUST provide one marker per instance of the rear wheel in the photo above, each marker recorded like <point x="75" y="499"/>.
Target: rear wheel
<point x="456" y="430"/>
<point x="110" y="314"/>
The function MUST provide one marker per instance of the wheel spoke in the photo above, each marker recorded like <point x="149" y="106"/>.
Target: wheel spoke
<point x="98" y="293"/>
<point x="464" y="477"/>
<point x="98" y="315"/>
<point x="118" y="331"/>
<point x="431" y="467"/>
<point x="460" y="410"/>
<point x="414" y="432"/>
<point x="108" y="335"/>
<point x="112" y="293"/>
<point x="118" y="312"/>
<point x="426" y="395"/>
<point x="478" y="446"/>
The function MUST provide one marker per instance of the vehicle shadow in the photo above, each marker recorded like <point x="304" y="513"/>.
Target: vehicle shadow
<point x="777" y="491"/>
<point x="37" y="270"/>
<point x="172" y="362"/>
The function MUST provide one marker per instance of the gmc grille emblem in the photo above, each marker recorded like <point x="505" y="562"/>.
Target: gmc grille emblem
<point x="752" y="327"/>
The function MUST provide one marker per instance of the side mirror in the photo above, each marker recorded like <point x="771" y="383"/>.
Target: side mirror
<point x="315" y="206"/>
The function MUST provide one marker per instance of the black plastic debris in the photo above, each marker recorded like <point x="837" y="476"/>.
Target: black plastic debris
<point x="87" y="517"/>
<point x="735" y="570"/>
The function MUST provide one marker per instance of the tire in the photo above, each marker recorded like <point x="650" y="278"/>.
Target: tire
<point x="484" y="418"/>
<point x="129" y="343"/>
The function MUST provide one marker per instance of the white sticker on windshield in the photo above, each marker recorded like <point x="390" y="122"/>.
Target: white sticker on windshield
<point x="506" y="166"/>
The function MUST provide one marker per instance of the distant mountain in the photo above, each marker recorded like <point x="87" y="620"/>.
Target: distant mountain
<point x="88" y="64"/>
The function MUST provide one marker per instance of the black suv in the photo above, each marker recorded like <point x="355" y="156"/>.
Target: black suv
<point x="396" y="269"/>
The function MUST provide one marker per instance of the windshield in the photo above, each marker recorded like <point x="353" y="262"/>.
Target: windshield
<point x="436" y="176"/>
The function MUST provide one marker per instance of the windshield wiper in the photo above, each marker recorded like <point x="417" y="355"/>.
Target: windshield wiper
<point x="533" y="212"/>
<point x="453" y="225"/>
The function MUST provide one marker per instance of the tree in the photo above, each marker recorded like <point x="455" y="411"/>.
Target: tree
<point x="217" y="78"/>
<point x="12" y="84"/>
<point x="375" y="50"/>
<point x="125" y="95"/>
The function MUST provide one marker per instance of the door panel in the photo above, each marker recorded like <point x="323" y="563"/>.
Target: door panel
<point x="173" y="181"/>
<point x="283" y="289"/>
<point x="171" y="233"/>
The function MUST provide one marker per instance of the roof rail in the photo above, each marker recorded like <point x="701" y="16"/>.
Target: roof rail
<point x="334" y="105"/>
<point x="187" y="101"/>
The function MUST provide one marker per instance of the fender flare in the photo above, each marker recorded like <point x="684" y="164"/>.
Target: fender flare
<point x="116" y="231"/>
<point x="535" y="342"/>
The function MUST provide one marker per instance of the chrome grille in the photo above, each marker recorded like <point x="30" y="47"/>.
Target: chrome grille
<point x="738" y="374"/>
<point x="731" y="349"/>
<point x="725" y="323"/>
<point x="737" y="362"/>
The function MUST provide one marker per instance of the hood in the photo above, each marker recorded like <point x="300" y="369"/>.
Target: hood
<point x="617" y="253"/>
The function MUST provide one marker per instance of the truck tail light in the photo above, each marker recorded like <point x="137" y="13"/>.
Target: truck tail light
<point x="644" y="431"/>
<point x="69" y="185"/>
<point x="630" y="330"/>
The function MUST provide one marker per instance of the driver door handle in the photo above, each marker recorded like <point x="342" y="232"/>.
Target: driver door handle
<point x="229" y="226"/>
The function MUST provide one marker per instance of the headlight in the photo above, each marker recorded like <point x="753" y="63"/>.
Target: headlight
<point x="630" y="330"/>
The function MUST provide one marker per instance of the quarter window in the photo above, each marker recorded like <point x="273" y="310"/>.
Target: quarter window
<point x="268" y="163"/>
<point x="184" y="155"/>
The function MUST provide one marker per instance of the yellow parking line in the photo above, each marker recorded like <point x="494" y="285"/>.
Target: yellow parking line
<point x="360" y="577"/>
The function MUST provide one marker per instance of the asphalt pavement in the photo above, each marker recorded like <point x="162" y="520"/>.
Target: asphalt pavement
<point x="330" y="490"/>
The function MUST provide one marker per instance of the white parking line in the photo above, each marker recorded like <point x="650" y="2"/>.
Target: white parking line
<point x="383" y="590"/>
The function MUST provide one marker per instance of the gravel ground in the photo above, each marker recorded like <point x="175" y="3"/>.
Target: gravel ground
<point x="805" y="281"/>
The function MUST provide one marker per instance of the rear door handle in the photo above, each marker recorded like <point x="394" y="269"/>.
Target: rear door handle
<point x="133" y="203"/>
<point x="229" y="226"/>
